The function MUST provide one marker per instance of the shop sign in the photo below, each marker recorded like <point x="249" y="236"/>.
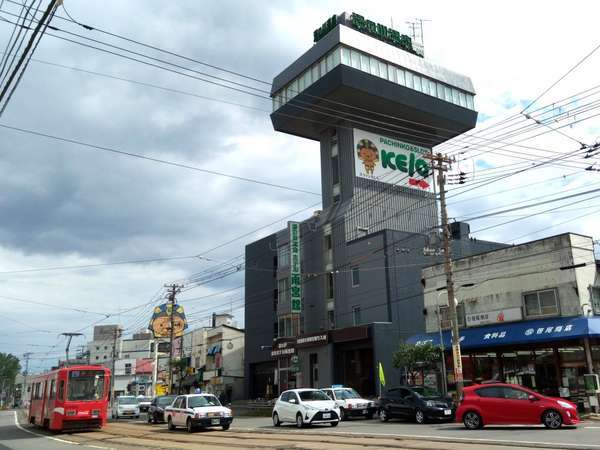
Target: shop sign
<point x="458" y="370"/>
<point x="391" y="161"/>
<point x="498" y="316"/>
<point x="312" y="340"/>
<point x="295" y="275"/>
<point x="373" y="29"/>
<point x="283" y="349"/>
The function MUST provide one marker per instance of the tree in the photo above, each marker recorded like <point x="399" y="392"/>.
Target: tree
<point x="180" y="367"/>
<point x="416" y="357"/>
<point x="9" y="368"/>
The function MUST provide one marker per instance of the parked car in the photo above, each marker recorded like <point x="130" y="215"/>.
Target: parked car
<point x="350" y="402"/>
<point x="144" y="402"/>
<point x="418" y="403"/>
<point x="501" y="404"/>
<point x="126" y="406"/>
<point x="305" y="407"/>
<point x="197" y="411"/>
<point x="157" y="408"/>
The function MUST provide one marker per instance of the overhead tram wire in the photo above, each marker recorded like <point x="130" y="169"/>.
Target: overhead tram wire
<point x="268" y="98"/>
<point x="8" y="50"/>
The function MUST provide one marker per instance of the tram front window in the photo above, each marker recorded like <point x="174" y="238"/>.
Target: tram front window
<point x="85" y="385"/>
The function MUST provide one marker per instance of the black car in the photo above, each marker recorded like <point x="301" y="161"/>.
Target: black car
<point x="418" y="403"/>
<point x="157" y="408"/>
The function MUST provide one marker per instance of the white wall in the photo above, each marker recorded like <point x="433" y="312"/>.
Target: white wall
<point x="502" y="277"/>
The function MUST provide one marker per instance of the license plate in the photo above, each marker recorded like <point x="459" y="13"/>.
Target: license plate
<point x="125" y="413"/>
<point x="326" y="415"/>
<point x="447" y="412"/>
<point x="215" y="421"/>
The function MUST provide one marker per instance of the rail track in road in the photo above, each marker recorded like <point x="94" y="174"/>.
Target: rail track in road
<point x="131" y="435"/>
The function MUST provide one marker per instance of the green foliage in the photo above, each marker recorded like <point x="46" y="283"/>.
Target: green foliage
<point x="414" y="357"/>
<point x="9" y="368"/>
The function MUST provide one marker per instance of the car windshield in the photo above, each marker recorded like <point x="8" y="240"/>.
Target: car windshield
<point x="346" y="394"/>
<point x="127" y="401"/>
<point x="203" y="400"/>
<point x="85" y="385"/>
<point x="424" y="391"/>
<point x="312" y="396"/>
<point x="166" y="401"/>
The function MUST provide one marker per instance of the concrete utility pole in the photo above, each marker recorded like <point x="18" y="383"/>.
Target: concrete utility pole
<point x="441" y="160"/>
<point x="24" y="398"/>
<point x="116" y="336"/>
<point x="174" y="289"/>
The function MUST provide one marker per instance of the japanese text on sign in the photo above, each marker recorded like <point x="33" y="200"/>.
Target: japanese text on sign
<point x="295" y="275"/>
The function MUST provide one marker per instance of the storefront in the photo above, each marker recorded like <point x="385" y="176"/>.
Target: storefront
<point x="550" y="356"/>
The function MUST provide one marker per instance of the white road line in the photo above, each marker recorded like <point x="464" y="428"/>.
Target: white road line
<point x="64" y="441"/>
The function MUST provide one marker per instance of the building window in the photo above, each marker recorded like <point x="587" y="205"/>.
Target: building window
<point x="283" y="256"/>
<point x="355" y="276"/>
<point x="596" y="299"/>
<point x="445" y="316"/>
<point x="97" y="357"/>
<point x="328" y="242"/>
<point x="104" y="357"/>
<point x="356" y="319"/>
<point x="331" y="319"/>
<point x="127" y="368"/>
<point x="541" y="303"/>
<point x="275" y="297"/>
<point x="330" y="287"/>
<point x="275" y="333"/>
<point x="335" y="169"/>
<point x="336" y="199"/>
<point x="283" y="291"/>
<point x="281" y="327"/>
<point x="97" y="348"/>
<point x="105" y="347"/>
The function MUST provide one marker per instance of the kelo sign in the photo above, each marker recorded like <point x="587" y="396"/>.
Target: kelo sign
<point x="391" y="161"/>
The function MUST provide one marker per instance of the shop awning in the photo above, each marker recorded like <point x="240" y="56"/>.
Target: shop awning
<point x="527" y="332"/>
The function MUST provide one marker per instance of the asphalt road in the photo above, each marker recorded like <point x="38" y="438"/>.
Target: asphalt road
<point x="586" y="434"/>
<point x="16" y="437"/>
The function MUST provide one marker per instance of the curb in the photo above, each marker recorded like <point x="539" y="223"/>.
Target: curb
<point x="453" y="440"/>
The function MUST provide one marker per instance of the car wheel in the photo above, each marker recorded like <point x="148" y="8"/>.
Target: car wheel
<point x="299" y="421"/>
<point x="334" y="424"/>
<point x="419" y="417"/>
<point x="276" y="421"/>
<point x="552" y="419"/>
<point x="383" y="415"/>
<point x="189" y="426"/>
<point x="170" y="425"/>
<point x="472" y="421"/>
<point x="343" y="414"/>
<point x="225" y="427"/>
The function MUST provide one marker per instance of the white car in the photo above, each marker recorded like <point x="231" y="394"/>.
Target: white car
<point x="197" y="411"/>
<point x="350" y="402"/>
<point x="305" y="407"/>
<point x="126" y="406"/>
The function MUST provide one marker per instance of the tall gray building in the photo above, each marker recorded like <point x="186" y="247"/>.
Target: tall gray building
<point x="377" y="107"/>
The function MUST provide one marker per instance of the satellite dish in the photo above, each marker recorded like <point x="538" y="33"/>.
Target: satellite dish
<point x="229" y="346"/>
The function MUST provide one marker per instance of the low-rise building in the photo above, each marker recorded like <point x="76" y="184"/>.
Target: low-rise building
<point x="528" y="314"/>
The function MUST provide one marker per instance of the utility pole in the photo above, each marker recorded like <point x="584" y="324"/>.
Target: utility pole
<point x="441" y="160"/>
<point x="25" y="373"/>
<point x="174" y="289"/>
<point x="69" y="336"/>
<point x="116" y="336"/>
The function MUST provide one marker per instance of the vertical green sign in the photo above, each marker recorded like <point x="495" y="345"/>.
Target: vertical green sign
<point x="295" y="275"/>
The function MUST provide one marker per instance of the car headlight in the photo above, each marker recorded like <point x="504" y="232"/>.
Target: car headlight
<point x="310" y="408"/>
<point x="227" y="413"/>
<point x="565" y="404"/>
<point x="198" y="415"/>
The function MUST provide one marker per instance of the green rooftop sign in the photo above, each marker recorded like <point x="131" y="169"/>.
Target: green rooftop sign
<point x="366" y="26"/>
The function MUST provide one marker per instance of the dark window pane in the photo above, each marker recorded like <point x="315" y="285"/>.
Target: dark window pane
<point x="487" y="392"/>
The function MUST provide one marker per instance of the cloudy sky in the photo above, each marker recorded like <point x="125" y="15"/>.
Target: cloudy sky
<point x="69" y="205"/>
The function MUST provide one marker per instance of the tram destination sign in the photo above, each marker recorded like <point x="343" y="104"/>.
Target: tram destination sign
<point x="369" y="27"/>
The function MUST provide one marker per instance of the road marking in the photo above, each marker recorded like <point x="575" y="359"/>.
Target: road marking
<point x="64" y="441"/>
